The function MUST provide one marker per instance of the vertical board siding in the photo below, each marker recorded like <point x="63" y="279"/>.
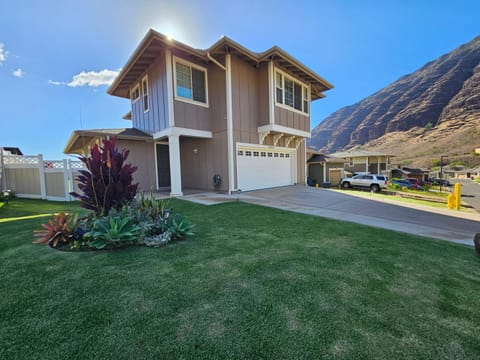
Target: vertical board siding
<point x="141" y="155"/>
<point x="301" y="163"/>
<point x="291" y="119"/>
<point x="263" y="95"/>
<point x="210" y="158"/>
<point x="155" y="119"/>
<point x="246" y="101"/>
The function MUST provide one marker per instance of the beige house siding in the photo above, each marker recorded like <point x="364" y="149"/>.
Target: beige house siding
<point x="245" y="101"/>
<point x="192" y="116"/>
<point x="291" y="119"/>
<point x="141" y="155"/>
<point x="155" y="119"/>
<point x="263" y="95"/>
<point x="201" y="159"/>
<point x="301" y="163"/>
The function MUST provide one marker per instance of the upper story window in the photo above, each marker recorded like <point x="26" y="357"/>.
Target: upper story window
<point x="145" y="93"/>
<point x="135" y="93"/>
<point x="291" y="93"/>
<point x="190" y="82"/>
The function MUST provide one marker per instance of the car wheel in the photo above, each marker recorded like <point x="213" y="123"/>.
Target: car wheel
<point x="375" y="188"/>
<point x="346" y="185"/>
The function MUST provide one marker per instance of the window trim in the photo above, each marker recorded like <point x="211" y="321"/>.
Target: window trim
<point x="145" y="79"/>
<point x="191" y="65"/>
<point x="132" y="91"/>
<point x="303" y="87"/>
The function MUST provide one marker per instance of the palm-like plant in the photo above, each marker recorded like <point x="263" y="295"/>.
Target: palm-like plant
<point x="112" y="231"/>
<point x="59" y="229"/>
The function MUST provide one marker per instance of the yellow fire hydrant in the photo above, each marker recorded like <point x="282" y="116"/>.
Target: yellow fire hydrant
<point x="455" y="199"/>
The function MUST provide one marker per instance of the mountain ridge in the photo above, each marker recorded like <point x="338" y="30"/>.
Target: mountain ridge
<point x="431" y="101"/>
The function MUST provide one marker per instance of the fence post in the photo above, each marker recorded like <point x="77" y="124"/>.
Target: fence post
<point x="41" y="171"/>
<point x="65" y="179"/>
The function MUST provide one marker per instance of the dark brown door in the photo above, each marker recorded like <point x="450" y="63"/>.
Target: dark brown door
<point x="163" y="166"/>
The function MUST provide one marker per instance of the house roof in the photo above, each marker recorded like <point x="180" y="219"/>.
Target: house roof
<point x="82" y="138"/>
<point x="154" y="43"/>
<point x="12" y="150"/>
<point x="320" y="158"/>
<point x="359" y="153"/>
<point x="414" y="171"/>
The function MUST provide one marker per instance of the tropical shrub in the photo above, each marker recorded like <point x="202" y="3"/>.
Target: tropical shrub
<point x="112" y="232"/>
<point x="180" y="227"/>
<point x="108" y="182"/>
<point x="59" y="229"/>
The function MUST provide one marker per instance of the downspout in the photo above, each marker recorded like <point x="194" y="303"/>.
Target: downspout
<point x="228" y="84"/>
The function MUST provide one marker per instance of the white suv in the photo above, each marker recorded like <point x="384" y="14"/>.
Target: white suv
<point x="374" y="182"/>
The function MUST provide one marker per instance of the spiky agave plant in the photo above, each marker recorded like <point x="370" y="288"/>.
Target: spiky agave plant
<point x="59" y="229"/>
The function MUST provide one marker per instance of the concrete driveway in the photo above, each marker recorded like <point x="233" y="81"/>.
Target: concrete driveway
<point x="419" y="220"/>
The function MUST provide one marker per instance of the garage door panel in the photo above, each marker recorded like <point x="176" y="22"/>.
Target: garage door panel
<point x="255" y="171"/>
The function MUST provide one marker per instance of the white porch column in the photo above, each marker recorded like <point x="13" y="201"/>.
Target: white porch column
<point x="325" y="172"/>
<point x="378" y="164"/>
<point x="366" y="166"/>
<point x="175" y="166"/>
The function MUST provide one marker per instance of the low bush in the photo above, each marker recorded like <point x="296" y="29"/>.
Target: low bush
<point x="59" y="229"/>
<point x="111" y="232"/>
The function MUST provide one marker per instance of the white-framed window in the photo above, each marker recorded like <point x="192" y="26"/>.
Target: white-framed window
<point x="145" y="93"/>
<point x="291" y="92"/>
<point x="190" y="82"/>
<point x="135" y="93"/>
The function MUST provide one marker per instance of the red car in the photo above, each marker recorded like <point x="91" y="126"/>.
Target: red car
<point x="417" y="184"/>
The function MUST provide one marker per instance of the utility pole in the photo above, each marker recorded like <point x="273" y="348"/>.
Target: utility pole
<point x="441" y="170"/>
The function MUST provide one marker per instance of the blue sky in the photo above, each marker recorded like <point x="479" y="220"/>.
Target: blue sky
<point x="55" y="55"/>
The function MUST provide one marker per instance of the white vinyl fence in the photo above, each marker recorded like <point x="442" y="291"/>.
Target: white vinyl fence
<point x="35" y="178"/>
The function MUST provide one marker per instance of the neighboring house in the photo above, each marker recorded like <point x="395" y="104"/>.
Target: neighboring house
<point x="409" y="173"/>
<point x="9" y="150"/>
<point x="359" y="161"/>
<point x="225" y="111"/>
<point x="6" y="150"/>
<point x="324" y="169"/>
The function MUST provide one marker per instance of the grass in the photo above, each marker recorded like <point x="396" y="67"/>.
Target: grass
<point x="380" y="195"/>
<point x="254" y="283"/>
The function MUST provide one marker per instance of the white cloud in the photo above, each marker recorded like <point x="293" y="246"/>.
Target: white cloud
<point x="3" y="54"/>
<point x="18" y="73"/>
<point x="90" y="78"/>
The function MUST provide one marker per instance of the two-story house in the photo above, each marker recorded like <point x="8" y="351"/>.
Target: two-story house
<point x="224" y="118"/>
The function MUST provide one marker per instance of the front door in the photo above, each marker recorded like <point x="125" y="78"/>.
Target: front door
<point x="163" y="166"/>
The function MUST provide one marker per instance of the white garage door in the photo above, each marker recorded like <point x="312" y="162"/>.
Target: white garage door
<point x="261" y="168"/>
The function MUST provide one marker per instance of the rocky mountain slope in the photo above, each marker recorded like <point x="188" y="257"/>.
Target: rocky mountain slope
<point x="431" y="112"/>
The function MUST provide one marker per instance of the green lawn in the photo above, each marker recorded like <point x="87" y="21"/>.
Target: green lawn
<point x="254" y="283"/>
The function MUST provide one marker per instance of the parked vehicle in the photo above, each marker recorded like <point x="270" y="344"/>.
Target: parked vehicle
<point x="374" y="182"/>
<point x="417" y="184"/>
<point x="403" y="183"/>
<point x="440" y="182"/>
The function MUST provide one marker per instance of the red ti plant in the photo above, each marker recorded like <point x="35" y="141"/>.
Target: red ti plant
<point x="108" y="182"/>
<point x="58" y="229"/>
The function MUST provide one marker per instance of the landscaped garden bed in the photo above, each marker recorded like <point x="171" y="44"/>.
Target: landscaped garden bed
<point x="117" y="218"/>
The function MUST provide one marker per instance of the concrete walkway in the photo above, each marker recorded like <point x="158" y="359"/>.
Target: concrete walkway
<point x="459" y="227"/>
